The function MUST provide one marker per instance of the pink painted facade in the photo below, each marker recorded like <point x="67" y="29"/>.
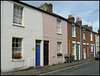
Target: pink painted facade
<point x="50" y="34"/>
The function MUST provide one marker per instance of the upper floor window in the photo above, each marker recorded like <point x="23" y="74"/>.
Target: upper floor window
<point x="97" y="37"/>
<point x="83" y="33"/>
<point x="16" y="48"/>
<point x="91" y="36"/>
<point x="58" y="26"/>
<point x="17" y="14"/>
<point x="73" y="31"/>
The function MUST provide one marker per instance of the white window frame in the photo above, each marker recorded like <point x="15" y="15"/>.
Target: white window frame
<point x="91" y="36"/>
<point x="84" y="50"/>
<point x="84" y="34"/>
<point x="19" y="14"/>
<point x="59" y="48"/>
<point x="14" y="43"/>
<point x="73" y="31"/>
<point x="59" y="26"/>
<point x="74" y="51"/>
<point x="92" y="48"/>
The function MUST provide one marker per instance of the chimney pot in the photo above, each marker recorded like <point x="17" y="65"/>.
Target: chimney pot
<point x="78" y="19"/>
<point x="69" y="16"/>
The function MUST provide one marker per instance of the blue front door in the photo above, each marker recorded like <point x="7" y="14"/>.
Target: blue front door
<point x="37" y="54"/>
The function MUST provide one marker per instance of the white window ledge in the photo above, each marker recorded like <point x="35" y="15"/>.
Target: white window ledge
<point x="19" y="25"/>
<point x="74" y="36"/>
<point x="59" y="56"/>
<point x="87" y="43"/>
<point x="84" y="43"/>
<point x="74" y="42"/>
<point x="84" y="39"/>
<point x="18" y="60"/>
<point x="59" y="33"/>
<point x="78" y="42"/>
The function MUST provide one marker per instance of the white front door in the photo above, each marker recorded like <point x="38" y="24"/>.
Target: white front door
<point x="74" y="50"/>
<point x="84" y="50"/>
<point x="78" y="51"/>
<point x="94" y="50"/>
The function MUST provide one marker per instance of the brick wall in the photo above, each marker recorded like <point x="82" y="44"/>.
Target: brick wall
<point x="77" y="38"/>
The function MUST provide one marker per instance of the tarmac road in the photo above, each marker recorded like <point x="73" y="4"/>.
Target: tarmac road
<point x="88" y="68"/>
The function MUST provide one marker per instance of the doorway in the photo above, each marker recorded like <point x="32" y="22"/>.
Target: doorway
<point x="38" y="53"/>
<point x="46" y="53"/>
<point x="78" y="51"/>
<point x="84" y="51"/>
<point x="87" y="50"/>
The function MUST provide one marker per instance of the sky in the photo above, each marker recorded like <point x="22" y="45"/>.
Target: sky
<point x="88" y="11"/>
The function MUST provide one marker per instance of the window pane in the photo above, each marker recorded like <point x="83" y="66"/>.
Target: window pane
<point x="12" y="51"/>
<point x="16" y="48"/>
<point x="17" y="10"/>
<point x="19" y="45"/>
<point x="16" y="44"/>
<point x="58" y="26"/>
<point x="17" y="14"/>
<point x="12" y="44"/>
<point x="20" y="11"/>
<point x="20" y="20"/>
<point x="73" y="48"/>
<point x="58" y="47"/>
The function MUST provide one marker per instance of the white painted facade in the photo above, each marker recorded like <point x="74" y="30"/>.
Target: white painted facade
<point x="97" y="43"/>
<point x="32" y="29"/>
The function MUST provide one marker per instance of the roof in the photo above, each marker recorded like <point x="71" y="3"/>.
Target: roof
<point x="53" y="14"/>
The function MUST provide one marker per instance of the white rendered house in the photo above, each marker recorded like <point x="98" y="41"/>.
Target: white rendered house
<point x="21" y="29"/>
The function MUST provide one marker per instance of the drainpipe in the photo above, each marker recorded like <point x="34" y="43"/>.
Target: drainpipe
<point x="69" y="47"/>
<point x="80" y="43"/>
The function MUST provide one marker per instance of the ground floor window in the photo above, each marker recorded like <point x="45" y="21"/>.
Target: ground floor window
<point x="73" y="49"/>
<point x="91" y="48"/>
<point x="16" y="48"/>
<point x="59" y="48"/>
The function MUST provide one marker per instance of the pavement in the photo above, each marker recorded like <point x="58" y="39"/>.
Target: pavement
<point x="45" y="69"/>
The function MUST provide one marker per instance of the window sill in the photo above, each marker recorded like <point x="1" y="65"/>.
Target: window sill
<point x="18" y="60"/>
<point x="59" y="56"/>
<point x="59" y="33"/>
<point x="84" y="39"/>
<point x="18" y="25"/>
<point x="73" y="36"/>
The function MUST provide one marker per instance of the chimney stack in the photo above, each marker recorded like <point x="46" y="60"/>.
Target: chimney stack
<point x="46" y="7"/>
<point x="79" y="21"/>
<point x="50" y="7"/>
<point x="90" y="27"/>
<point x="71" y="17"/>
<point x="86" y="26"/>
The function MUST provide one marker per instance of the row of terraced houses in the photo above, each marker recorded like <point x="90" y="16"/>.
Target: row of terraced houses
<point x="33" y="37"/>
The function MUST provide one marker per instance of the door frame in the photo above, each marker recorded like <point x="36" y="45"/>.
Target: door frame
<point x="87" y="51"/>
<point x="48" y="50"/>
<point x="79" y="58"/>
<point x="74" y="53"/>
<point x="84" y="51"/>
<point x="35" y="51"/>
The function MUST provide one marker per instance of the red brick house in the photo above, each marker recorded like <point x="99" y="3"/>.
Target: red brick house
<point x="81" y="39"/>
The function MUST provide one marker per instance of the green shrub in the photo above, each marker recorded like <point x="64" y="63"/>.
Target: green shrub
<point x="59" y="54"/>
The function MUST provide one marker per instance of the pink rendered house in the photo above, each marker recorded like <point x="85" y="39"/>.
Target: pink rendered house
<point x="55" y="39"/>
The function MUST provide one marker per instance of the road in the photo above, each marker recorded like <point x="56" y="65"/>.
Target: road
<point x="88" y="68"/>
